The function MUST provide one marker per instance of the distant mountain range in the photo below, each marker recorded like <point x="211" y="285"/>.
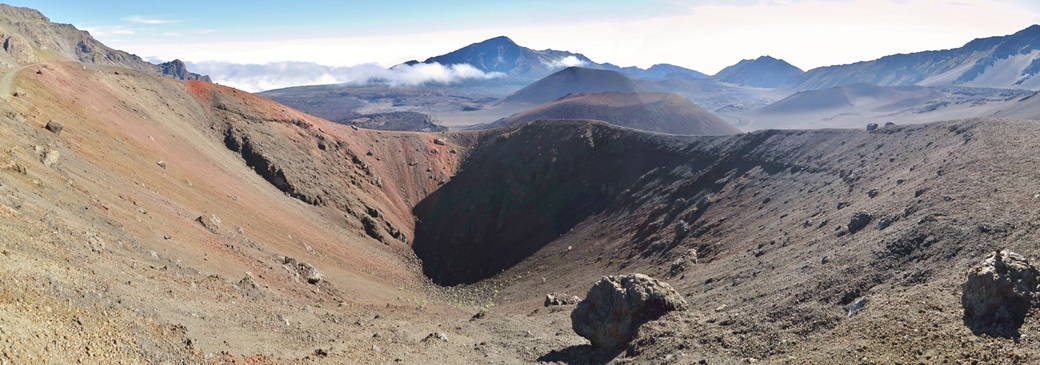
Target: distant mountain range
<point x="1011" y="61"/>
<point x="501" y="54"/>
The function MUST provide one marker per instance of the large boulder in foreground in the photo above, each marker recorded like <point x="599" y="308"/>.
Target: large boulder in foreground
<point x="998" y="293"/>
<point x="616" y="306"/>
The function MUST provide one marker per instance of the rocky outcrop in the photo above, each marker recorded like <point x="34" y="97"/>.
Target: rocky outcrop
<point x="177" y="70"/>
<point x="998" y="293"/>
<point x="616" y="306"/>
<point x="30" y="37"/>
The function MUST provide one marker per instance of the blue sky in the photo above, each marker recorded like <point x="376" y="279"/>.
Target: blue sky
<point x="702" y="35"/>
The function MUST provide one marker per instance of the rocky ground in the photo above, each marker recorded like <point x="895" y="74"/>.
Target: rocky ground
<point x="175" y="222"/>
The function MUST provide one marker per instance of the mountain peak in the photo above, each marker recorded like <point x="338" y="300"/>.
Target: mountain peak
<point x="498" y="40"/>
<point x="764" y="71"/>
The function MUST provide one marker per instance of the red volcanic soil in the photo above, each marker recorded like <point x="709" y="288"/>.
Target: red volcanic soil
<point x="654" y="112"/>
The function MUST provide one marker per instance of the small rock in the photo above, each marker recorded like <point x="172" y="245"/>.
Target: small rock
<point x="481" y="314"/>
<point x="55" y="127"/>
<point x="886" y="221"/>
<point x="859" y="221"/>
<point x="240" y="230"/>
<point x="617" y="306"/>
<point x="440" y="141"/>
<point x="306" y="271"/>
<point x="51" y="158"/>
<point x="857" y="305"/>
<point x="681" y="228"/>
<point x="871" y="127"/>
<point x="435" y="336"/>
<point x="162" y="164"/>
<point x="873" y="192"/>
<point x="555" y="299"/>
<point x="889" y="124"/>
<point x="212" y="222"/>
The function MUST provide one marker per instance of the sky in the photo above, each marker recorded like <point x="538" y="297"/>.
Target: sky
<point x="702" y="35"/>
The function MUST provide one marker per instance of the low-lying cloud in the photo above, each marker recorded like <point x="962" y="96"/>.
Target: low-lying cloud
<point x="569" y="61"/>
<point x="276" y="75"/>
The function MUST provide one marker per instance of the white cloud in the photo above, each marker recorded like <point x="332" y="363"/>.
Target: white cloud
<point x="150" y="21"/>
<point x="108" y="30"/>
<point x="275" y="75"/>
<point x="569" y="61"/>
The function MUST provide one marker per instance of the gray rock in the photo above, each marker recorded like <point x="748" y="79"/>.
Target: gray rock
<point x="304" y="270"/>
<point x="886" y="221"/>
<point x="873" y="192"/>
<point x="440" y="141"/>
<point x="871" y="126"/>
<point x="859" y="221"/>
<point x="55" y="127"/>
<point x="51" y="158"/>
<point x="999" y="291"/>
<point x="212" y="223"/>
<point x="681" y="228"/>
<point x="616" y="306"/>
<point x="555" y="299"/>
<point x="163" y="164"/>
<point x="857" y="305"/>
<point x="435" y="336"/>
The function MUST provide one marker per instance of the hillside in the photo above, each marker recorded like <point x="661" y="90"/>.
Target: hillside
<point x="571" y="80"/>
<point x="767" y="261"/>
<point x="1010" y="61"/>
<point x="654" y="112"/>
<point x="765" y="71"/>
<point x="861" y="96"/>
<point x="29" y="37"/>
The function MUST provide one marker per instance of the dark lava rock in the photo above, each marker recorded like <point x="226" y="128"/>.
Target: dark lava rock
<point x="998" y="294"/>
<point x="55" y="127"/>
<point x="616" y="306"/>
<point x="871" y="127"/>
<point x="859" y="221"/>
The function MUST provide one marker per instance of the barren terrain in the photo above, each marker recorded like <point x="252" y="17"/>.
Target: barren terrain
<point x="185" y="222"/>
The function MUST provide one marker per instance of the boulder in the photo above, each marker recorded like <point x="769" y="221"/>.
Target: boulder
<point x="999" y="292"/>
<point x="616" y="306"/>
<point x="871" y="127"/>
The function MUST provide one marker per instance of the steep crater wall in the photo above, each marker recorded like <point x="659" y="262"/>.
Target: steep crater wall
<point x="522" y="188"/>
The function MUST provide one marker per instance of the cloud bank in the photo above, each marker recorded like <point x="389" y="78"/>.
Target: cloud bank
<point x="276" y="75"/>
<point x="569" y="61"/>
